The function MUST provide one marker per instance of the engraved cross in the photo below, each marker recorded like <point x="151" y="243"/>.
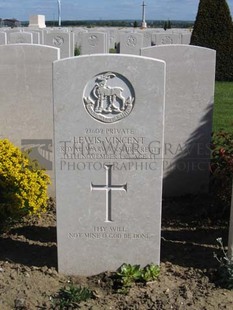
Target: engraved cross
<point x="108" y="187"/>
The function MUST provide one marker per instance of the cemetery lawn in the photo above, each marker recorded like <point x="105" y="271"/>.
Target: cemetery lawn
<point x="28" y="264"/>
<point x="223" y="107"/>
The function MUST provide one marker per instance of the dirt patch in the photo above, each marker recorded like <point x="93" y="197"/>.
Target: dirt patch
<point x="28" y="265"/>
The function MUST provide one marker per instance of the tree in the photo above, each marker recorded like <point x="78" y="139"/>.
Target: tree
<point x="135" y="24"/>
<point x="213" y="29"/>
<point x="169" y="24"/>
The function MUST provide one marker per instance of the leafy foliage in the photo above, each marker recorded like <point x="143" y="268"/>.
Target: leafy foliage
<point x="70" y="297"/>
<point x="150" y="273"/>
<point x="167" y="25"/>
<point x="128" y="274"/>
<point x="223" y="107"/>
<point x="135" y="24"/>
<point x="23" y="186"/>
<point x="213" y="29"/>
<point x="77" y="50"/>
<point x="225" y="270"/>
<point x="112" y="51"/>
<point x="222" y="164"/>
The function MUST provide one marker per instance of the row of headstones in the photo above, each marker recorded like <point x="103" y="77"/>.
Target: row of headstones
<point x="94" y="42"/>
<point x="62" y="40"/>
<point x="132" y="121"/>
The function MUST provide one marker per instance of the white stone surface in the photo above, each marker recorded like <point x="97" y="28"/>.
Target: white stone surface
<point x="131" y="43"/>
<point x="113" y="38"/>
<point x="20" y="37"/>
<point x="167" y="38"/>
<point x="3" y="38"/>
<point x="37" y="21"/>
<point x="26" y="110"/>
<point x="185" y="38"/>
<point x="59" y="39"/>
<point x="147" y="38"/>
<point x="94" y="43"/>
<point x="78" y="36"/>
<point x="190" y="80"/>
<point x="108" y="182"/>
<point x="36" y="37"/>
<point x="72" y="46"/>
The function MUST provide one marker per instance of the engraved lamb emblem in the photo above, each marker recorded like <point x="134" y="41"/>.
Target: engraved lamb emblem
<point x="102" y="92"/>
<point x="109" y="103"/>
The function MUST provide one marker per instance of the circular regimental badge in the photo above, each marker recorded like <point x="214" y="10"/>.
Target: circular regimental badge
<point x="167" y="40"/>
<point x="93" y="40"/>
<point x="58" y="41"/>
<point x="131" y="41"/>
<point x="108" y="97"/>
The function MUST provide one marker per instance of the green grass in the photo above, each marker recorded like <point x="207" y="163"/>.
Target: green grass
<point x="223" y="107"/>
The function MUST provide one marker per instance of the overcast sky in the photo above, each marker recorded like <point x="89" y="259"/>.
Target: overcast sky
<point x="101" y="9"/>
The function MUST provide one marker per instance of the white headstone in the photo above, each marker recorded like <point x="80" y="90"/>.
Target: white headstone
<point x="72" y="45"/>
<point x="26" y="110"/>
<point x="190" y="80"/>
<point x="147" y="38"/>
<point x="108" y="116"/>
<point x="61" y="40"/>
<point x="185" y="38"/>
<point x="113" y="38"/>
<point x="94" y="43"/>
<point x="36" y="37"/>
<point x="20" y="37"/>
<point x="3" y="38"/>
<point x="131" y="43"/>
<point x="167" y="38"/>
<point x="78" y="37"/>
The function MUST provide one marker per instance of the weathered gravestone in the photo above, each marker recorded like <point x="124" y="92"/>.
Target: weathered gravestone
<point x="131" y="43"/>
<point x="190" y="80"/>
<point x="147" y="38"/>
<point x="108" y="123"/>
<point x="113" y="35"/>
<point x="36" y="37"/>
<point x="3" y="38"/>
<point x="26" y="109"/>
<point x="20" y="37"/>
<point x="59" y="39"/>
<point x="94" y="43"/>
<point x="167" y="38"/>
<point x="41" y="35"/>
<point x="185" y="38"/>
<point x="72" y="45"/>
<point x="78" y="36"/>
